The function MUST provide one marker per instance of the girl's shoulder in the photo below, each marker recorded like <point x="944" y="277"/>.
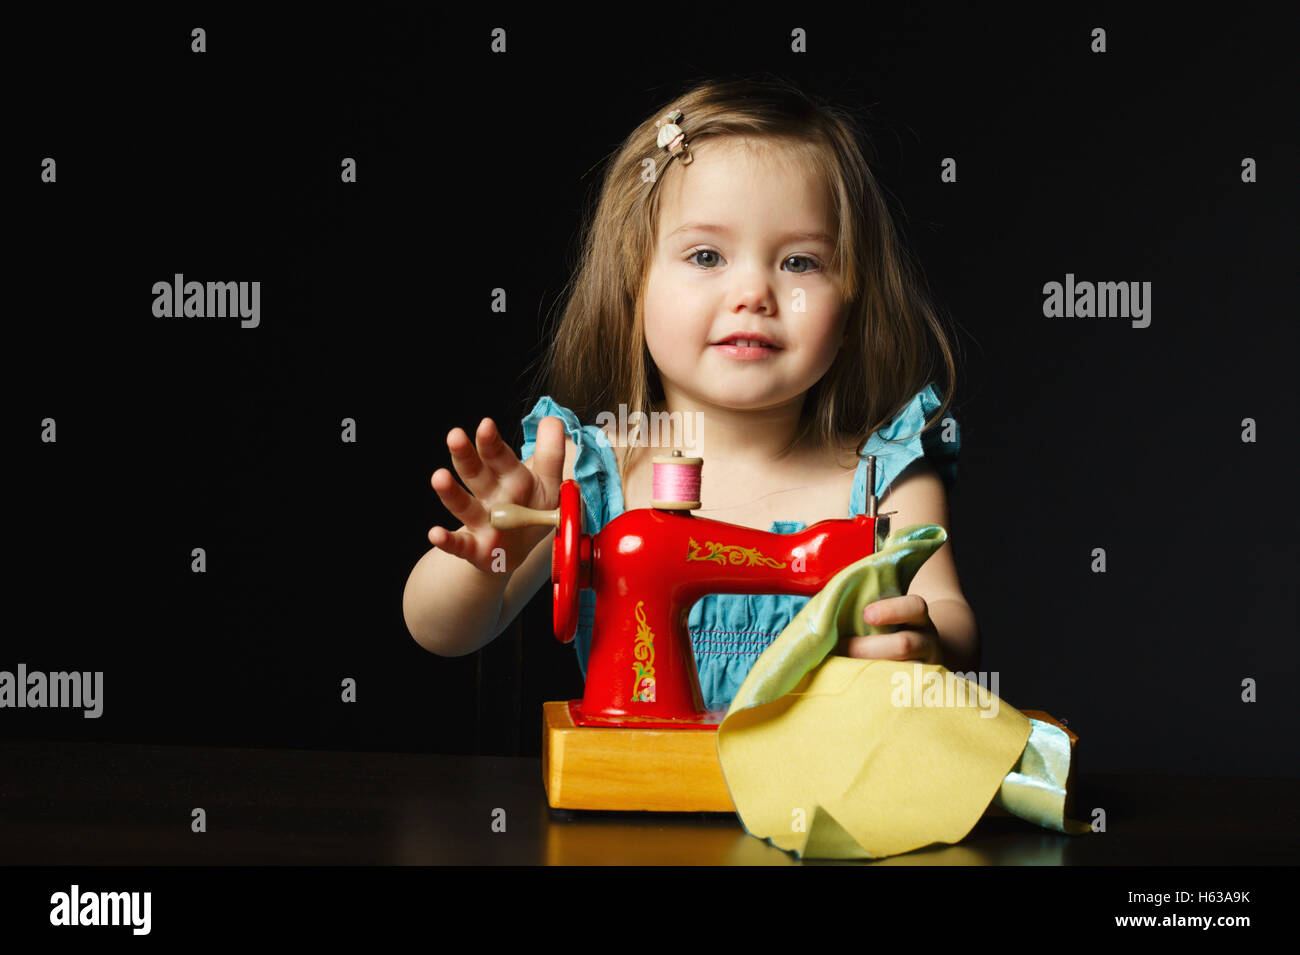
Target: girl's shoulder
<point x="905" y="439"/>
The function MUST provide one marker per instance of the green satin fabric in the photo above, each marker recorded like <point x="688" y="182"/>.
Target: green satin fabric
<point x="1034" y="789"/>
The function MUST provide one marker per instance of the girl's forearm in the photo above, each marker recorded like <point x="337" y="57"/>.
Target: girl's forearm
<point x="958" y="635"/>
<point x="451" y="607"/>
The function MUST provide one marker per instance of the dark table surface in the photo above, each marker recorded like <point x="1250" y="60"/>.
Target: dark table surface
<point x="73" y="803"/>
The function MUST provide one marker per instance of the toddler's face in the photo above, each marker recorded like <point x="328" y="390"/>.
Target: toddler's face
<point x="749" y="273"/>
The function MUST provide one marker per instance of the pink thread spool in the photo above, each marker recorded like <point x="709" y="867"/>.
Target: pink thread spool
<point x="676" y="482"/>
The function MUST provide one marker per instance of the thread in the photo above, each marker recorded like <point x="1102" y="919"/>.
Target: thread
<point x="676" y="482"/>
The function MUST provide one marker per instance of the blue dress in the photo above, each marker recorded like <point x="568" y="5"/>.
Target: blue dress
<point x="730" y="631"/>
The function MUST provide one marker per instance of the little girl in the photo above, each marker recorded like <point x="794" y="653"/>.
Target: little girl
<point x="741" y="264"/>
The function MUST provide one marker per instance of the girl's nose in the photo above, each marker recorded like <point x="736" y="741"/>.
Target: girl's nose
<point x="754" y="294"/>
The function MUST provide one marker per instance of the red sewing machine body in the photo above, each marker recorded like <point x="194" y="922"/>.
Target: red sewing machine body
<point x="647" y="567"/>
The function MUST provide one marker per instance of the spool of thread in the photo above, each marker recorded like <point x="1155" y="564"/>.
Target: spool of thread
<point x="676" y="482"/>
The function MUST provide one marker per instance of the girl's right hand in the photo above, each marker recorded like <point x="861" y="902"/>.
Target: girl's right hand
<point x="495" y="476"/>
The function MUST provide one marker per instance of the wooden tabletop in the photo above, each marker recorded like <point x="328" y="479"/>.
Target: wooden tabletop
<point x="74" y="803"/>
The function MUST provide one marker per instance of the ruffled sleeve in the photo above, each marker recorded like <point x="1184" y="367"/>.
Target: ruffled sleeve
<point x="900" y="442"/>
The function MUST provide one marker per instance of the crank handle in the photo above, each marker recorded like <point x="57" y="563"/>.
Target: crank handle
<point x="508" y="517"/>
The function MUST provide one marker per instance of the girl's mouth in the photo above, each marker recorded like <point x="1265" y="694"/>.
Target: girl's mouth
<point x="746" y="349"/>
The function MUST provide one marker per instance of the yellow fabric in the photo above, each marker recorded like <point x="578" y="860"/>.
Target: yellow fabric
<point x="835" y="757"/>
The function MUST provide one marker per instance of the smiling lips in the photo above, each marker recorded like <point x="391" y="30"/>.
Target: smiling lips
<point x="745" y="336"/>
<point x="746" y="348"/>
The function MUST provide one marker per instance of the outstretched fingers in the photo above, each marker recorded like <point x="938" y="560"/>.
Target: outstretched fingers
<point x="463" y="505"/>
<point x="500" y="458"/>
<point x="478" y="477"/>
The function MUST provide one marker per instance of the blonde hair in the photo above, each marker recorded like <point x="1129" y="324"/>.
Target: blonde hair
<point x="597" y="357"/>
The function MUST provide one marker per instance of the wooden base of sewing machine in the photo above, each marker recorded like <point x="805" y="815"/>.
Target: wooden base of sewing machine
<point x="677" y="770"/>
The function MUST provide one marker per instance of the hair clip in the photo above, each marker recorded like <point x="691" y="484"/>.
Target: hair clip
<point x="671" y="136"/>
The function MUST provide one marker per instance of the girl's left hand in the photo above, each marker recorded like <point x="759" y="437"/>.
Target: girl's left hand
<point x="916" y="640"/>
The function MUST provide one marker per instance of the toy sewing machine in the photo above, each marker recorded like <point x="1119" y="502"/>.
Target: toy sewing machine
<point x="640" y="737"/>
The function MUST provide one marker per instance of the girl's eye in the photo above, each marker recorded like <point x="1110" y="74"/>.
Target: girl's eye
<point x="691" y="257"/>
<point x="811" y="264"/>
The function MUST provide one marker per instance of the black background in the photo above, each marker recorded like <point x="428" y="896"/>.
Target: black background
<point x="473" y="169"/>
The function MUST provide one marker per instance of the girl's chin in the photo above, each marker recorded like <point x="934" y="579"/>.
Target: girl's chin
<point x="755" y="401"/>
